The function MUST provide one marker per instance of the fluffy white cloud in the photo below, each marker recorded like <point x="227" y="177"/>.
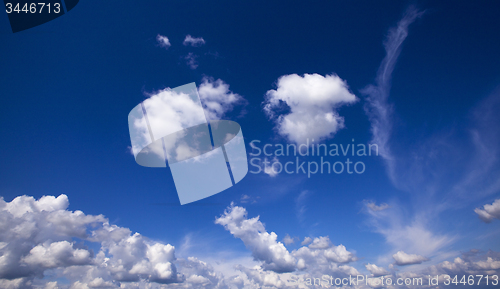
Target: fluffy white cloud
<point x="57" y="254"/>
<point x="489" y="212"/>
<point x="193" y="41"/>
<point x="376" y="270"/>
<point x="268" y="167"/>
<point x="402" y="258"/>
<point x="262" y="244"/>
<point x="216" y="97"/>
<point x="320" y="257"/>
<point x="37" y="235"/>
<point x="163" y="41"/>
<point x="312" y="101"/>
<point x="41" y="236"/>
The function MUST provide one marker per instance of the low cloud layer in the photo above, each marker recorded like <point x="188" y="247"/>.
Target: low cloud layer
<point x="193" y="41"/>
<point x="312" y="101"/>
<point x="42" y="238"/>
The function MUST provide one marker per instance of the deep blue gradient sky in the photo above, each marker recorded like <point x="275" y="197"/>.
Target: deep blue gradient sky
<point x="67" y="87"/>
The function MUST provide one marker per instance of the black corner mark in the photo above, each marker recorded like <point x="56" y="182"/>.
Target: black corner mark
<point x="70" y="4"/>
<point x="28" y="14"/>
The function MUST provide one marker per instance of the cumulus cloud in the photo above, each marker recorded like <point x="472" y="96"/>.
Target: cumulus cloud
<point x="402" y="258"/>
<point x="163" y="41"/>
<point x="312" y="101"/>
<point x="169" y="112"/>
<point x="193" y="41"/>
<point x="376" y="270"/>
<point x="216" y="97"/>
<point x="489" y="212"/>
<point x="263" y="245"/>
<point x="320" y="257"/>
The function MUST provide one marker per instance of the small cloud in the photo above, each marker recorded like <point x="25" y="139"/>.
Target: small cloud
<point x="268" y="167"/>
<point x="193" y="41"/>
<point x="374" y="207"/>
<point x="191" y="60"/>
<point x="247" y="199"/>
<point x="244" y="198"/>
<point x="289" y="240"/>
<point x="306" y="241"/>
<point x="217" y="98"/>
<point x="163" y="41"/>
<point x="403" y="259"/>
<point x="489" y="212"/>
<point x="376" y="270"/>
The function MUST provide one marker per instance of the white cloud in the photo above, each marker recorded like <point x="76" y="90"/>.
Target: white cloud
<point x="216" y="97"/>
<point x="321" y="257"/>
<point x="320" y="243"/>
<point x="376" y="270"/>
<point x="313" y="101"/>
<point x="262" y="244"/>
<point x="374" y="207"/>
<point x="288" y="240"/>
<point x="163" y="41"/>
<point x="57" y="254"/>
<point x="268" y="167"/>
<point x="402" y="258"/>
<point x="377" y="106"/>
<point x="306" y="241"/>
<point x="489" y="212"/>
<point x="193" y="41"/>
<point x="41" y="237"/>
<point x="191" y="60"/>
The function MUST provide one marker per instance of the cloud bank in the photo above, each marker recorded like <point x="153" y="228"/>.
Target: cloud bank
<point x="44" y="245"/>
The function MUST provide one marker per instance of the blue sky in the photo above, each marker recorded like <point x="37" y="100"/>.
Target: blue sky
<point x="67" y="87"/>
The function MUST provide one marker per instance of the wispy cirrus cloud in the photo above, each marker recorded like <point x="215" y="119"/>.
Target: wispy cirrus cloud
<point x="377" y="105"/>
<point x="403" y="258"/>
